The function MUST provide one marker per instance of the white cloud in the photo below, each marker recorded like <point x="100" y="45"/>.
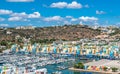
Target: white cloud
<point x="74" y="19"/>
<point x="69" y="17"/>
<point x="14" y="18"/>
<point x="96" y="23"/>
<point x="118" y="24"/>
<point x="34" y="15"/>
<point x="58" y="5"/>
<point x="4" y="25"/>
<point x="54" y="18"/>
<point x="100" y="12"/>
<point x="73" y="5"/>
<point x="20" y="0"/>
<point x="3" y="11"/>
<point x="17" y="18"/>
<point x="81" y="23"/>
<point x="86" y="6"/>
<point x="66" y="22"/>
<point x="24" y="15"/>
<point x="86" y="18"/>
<point x="2" y="19"/>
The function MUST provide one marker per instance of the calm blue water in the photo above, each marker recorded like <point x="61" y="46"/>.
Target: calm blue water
<point x="52" y="68"/>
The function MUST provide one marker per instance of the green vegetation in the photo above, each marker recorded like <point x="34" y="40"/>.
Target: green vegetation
<point x="3" y="43"/>
<point x="43" y="41"/>
<point x="6" y="45"/>
<point x="1" y="51"/>
<point x="117" y="31"/>
<point x="105" y="68"/>
<point x="114" y="69"/>
<point x="79" y="65"/>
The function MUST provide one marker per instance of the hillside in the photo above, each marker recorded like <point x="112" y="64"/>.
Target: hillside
<point x="116" y="33"/>
<point x="67" y="32"/>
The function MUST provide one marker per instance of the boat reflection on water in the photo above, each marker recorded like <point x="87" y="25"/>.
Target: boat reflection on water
<point x="61" y="67"/>
<point x="57" y="72"/>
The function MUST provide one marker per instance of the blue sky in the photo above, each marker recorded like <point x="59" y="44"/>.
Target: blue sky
<point x="59" y="12"/>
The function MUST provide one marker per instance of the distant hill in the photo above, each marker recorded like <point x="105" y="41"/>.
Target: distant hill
<point x="116" y="33"/>
<point x="66" y="32"/>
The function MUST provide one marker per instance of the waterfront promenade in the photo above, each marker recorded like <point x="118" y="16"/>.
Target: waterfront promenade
<point x="101" y="72"/>
<point x="102" y="66"/>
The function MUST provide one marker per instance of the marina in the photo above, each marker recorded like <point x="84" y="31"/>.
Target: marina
<point x="49" y="63"/>
<point x="31" y="64"/>
<point x="58" y="58"/>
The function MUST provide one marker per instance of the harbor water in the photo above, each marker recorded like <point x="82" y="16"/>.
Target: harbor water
<point x="62" y="63"/>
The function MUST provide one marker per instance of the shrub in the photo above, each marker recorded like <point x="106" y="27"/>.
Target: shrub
<point x="114" y="69"/>
<point x="79" y="65"/>
<point x="76" y="66"/>
<point x="105" y="68"/>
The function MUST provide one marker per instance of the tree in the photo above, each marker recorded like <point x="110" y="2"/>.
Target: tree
<point x="105" y="68"/>
<point x="114" y="69"/>
<point x="79" y="65"/>
<point x="1" y="51"/>
<point x="3" y="43"/>
<point x="76" y="66"/>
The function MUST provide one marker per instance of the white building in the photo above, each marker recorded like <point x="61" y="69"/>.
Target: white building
<point x="25" y="27"/>
<point x="8" y="32"/>
<point x="41" y="71"/>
